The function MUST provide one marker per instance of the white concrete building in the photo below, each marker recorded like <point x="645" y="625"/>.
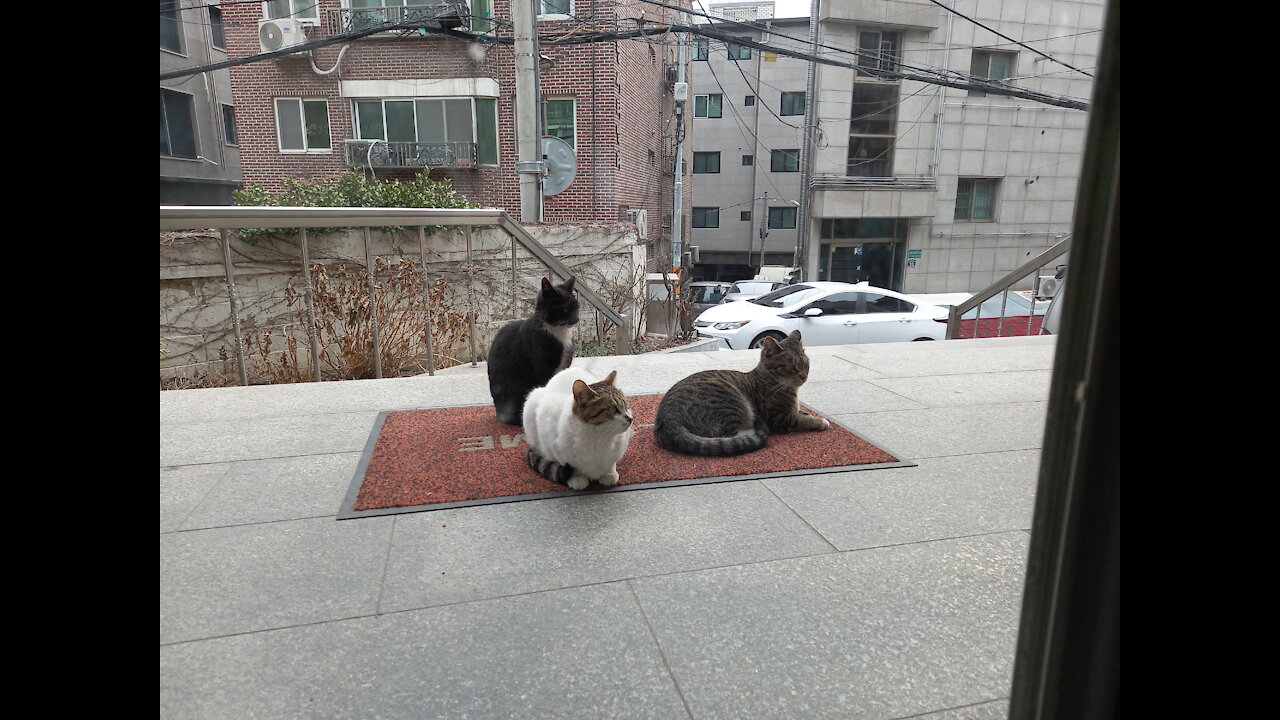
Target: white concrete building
<point x="915" y="186"/>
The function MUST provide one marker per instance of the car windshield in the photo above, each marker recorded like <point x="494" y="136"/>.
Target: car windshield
<point x="707" y="293"/>
<point x="751" y="287"/>
<point x="784" y="296"/>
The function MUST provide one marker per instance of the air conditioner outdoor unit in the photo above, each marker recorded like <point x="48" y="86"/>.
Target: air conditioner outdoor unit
<point x="280" y="34"/>
<point x="641" y="220"/>
<point x="1047" y="286"/>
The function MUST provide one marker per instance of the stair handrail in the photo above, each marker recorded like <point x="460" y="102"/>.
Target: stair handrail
<point x="1004" y="283"/>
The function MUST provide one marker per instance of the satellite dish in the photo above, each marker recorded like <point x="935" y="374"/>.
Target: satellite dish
<point x="562" y="164"/>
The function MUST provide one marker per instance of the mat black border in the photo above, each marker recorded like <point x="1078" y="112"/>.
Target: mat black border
<point x="347" y="513"/>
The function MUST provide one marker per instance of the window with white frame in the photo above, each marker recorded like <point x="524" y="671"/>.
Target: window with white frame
<point x="991" y="65"/>
<point x="178" y="124"/>
<point x="555" y="7"/>
<point x="302" y="125"/>
<point x="701" y="48"/>
<point x="217" y="34"/>
<point x="439" y="121"/>
<point x="299" y="9"/>
<point x="560" y="119"/>
<point x="879" y="51"/>
<point x="171" y="26"/>
<point x="976" y="199"/>
<point x="708" y="106"/>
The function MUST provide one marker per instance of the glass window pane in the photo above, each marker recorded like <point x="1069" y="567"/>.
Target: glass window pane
<point x="874" y="109"/>
<point x="170" y="26"/>
<point x="984" y="200"/>
<point x="486" y="131"/>
<point x="219" y="37"/>
<point x="458" y="121"/>
<point x="317" y="118"/>
<point x="400" y="121"/>
<point x="431" y="121"/>
<point x="277" y="9"/>
<point x="1001" y="66"/>
<point x="369" y="123"/>
<point x="964" y="198"/>
<point x="560" y="119"/>
<point x="229" y="124"/>
<point x="164" y="128"/>
<point x="289" y="121"/>
<point x="178" y="112"/>
<point x="713" y="105"/>
<point x="555" y="7"/>
<point x="700" y="106"/>
<point x="869" y="156"/>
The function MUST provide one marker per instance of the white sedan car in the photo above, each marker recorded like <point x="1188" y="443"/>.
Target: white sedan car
<point x="825" y="313"/>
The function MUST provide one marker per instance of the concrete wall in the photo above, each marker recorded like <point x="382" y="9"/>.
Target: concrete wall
<point x="195" y="323"/>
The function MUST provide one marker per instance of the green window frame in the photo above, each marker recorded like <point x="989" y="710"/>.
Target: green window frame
<point x="997" y="66"/>
<point x="976" y="199"/>
<point x="706" y="162"/>
<point x="708" y="106"/>
<point x="782" y="218"/>
<point x="560" y="118"/>
<point x="784" y="160"/>
<point x="792" y="103"/>
<point x="706" y="217"/>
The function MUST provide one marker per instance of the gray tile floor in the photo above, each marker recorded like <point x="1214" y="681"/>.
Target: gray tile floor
<point x="889" y="593"/>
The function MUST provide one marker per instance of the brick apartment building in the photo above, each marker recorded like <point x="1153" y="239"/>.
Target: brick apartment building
<point x="448" y="104"/>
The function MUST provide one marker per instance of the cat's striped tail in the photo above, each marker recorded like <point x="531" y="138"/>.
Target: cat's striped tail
<point x="677" y="438"/>
<point x="549" y="469"/>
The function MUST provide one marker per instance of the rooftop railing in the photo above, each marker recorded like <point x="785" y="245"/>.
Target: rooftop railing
<point x="228" y="218"/>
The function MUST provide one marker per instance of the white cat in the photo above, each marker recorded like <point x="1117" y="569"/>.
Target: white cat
<point x="577" y="428"/>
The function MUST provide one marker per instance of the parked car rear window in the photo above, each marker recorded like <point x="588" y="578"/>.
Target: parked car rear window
<point x="886" y="303"/>
<point x="786" y="295"/>
<point x="707" y="294"/>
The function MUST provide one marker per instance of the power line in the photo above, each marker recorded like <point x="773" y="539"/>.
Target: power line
<point x="1006" y="37"/>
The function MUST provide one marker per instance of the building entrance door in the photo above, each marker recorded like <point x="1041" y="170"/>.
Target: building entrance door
<point x="853" y="262"/>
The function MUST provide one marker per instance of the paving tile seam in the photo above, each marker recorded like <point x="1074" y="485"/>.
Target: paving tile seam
<point x="927" y="713"/>
<point x="251" y="524"/>
<point x="801" y="518"/>
<point x="966" y="406"/>
<point x="386" y="564"/>
<point x="615" y="581"/>
<point x="653" y="635"/>
<point x="259" y="459"/>
<point x="1033" y="448"/>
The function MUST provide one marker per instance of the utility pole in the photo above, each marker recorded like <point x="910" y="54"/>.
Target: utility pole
<point x="801" y="256"/>
<point x="529" y="165"/>
<point x="676" y="203"/>
<point x="764" y="227"/>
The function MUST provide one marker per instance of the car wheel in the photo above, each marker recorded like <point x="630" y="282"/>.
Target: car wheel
<point x="759" y="341"/>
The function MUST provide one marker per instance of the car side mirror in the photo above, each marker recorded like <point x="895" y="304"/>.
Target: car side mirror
<point x="813" y="312"/>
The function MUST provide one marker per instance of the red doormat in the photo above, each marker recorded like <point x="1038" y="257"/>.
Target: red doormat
<point x="453" y="457"/>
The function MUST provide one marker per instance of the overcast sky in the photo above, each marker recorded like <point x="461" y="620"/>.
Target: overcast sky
<point x="781" y="8"/>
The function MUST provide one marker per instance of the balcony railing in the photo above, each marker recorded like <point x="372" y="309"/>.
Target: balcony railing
<point x="432" y="15"/>
<point x="383" y="154"/>
<point x="892" y="183"/>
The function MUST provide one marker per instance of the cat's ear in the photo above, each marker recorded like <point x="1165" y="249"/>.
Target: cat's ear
<point x="568" y="286"/>
<point x="582" y="392"/>
<point x="609" y="380"/>
<point x="794" y="337"/>
<point x="546" y="284"/>
<point x="769" y="345"/>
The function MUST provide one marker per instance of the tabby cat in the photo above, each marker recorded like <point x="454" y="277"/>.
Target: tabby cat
<point x="526" y="353"/>
<point x="726" y="412"/>
<point x="577" y="428"/>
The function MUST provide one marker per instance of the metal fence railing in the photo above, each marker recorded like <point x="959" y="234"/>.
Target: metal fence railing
<point x="228" y="218"/>
<point x="1033" y="268"/>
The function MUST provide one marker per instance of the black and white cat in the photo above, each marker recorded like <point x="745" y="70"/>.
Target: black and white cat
<point x="525" y="354"/>
<point x="578" y="428"/>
